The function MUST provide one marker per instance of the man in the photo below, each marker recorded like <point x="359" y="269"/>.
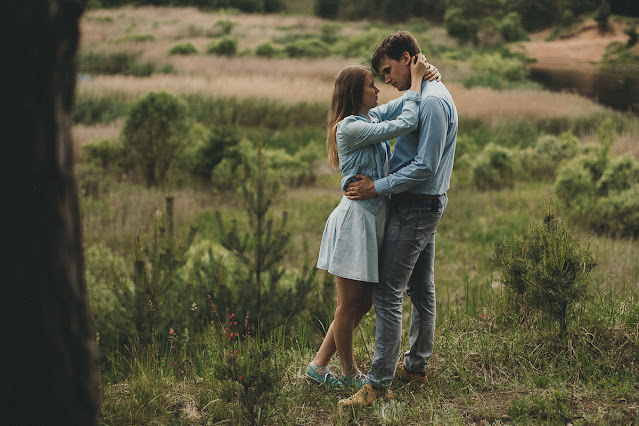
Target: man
<point x="419" y="177"/>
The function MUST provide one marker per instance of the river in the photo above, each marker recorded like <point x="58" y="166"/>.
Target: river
<point x="618" y="89"/>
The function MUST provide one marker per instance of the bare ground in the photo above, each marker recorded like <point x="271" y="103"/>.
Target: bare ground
<point x="584" y="46"/>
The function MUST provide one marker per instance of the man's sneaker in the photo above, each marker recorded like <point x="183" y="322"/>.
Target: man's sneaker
<point x="357" y="380"/>
<point x="327" y="379"/>
<point x="366" y="396"/>
<point x="407" y="377"/>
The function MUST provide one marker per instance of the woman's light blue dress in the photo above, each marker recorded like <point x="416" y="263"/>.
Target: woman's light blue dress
<point x="354" y="231"/>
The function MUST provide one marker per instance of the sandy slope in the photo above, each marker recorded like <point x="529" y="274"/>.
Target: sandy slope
<point x="586" y="46"/>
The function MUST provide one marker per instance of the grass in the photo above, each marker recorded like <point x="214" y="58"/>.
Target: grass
<point x="492" y="363"/>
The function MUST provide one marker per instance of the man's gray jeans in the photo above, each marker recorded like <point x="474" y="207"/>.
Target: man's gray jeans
<point x="407" y="261"/>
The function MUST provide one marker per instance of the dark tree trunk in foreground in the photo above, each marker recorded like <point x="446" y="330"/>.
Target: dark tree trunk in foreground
<point x="48" y="346"/>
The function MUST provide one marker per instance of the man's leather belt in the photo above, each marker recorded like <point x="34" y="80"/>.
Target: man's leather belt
<point x="410" y="197"/>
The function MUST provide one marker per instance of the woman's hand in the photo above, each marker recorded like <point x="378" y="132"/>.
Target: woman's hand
<point x="432" y="73"/>
<point x="418" y="67"/>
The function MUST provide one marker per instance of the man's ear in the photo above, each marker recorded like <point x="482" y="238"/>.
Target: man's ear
<point x="406" y="58"/>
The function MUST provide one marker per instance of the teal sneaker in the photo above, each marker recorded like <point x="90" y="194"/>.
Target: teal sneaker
<point x="327" y="379"/>
<point x="356" y="381"/>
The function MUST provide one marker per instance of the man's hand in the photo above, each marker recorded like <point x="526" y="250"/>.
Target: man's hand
<point x="362" y="189"/>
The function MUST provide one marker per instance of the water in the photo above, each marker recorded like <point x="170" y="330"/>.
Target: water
<point x="618" y="89"/>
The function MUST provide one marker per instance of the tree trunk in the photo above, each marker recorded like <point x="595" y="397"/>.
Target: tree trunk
<point x="48" y="344"/>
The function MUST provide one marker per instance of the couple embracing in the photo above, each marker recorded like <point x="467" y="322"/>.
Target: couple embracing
<point x="380" y="239"/>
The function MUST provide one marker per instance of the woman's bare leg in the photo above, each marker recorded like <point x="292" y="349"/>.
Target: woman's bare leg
<point x="353" y="302"/>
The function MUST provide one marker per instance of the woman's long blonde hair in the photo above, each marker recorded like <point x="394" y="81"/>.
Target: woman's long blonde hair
<point x="346" y="100"/>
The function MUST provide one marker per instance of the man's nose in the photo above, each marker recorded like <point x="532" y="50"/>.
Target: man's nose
<point x="386" y="79"/>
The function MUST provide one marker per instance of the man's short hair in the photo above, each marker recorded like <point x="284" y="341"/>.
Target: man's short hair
<point x="394" y="46"/>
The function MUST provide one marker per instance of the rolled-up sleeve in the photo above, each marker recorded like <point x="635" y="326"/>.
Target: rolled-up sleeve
<point x="357" y="133"/>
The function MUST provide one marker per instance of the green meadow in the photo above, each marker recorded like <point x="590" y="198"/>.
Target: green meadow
<point x="201" y="267"/>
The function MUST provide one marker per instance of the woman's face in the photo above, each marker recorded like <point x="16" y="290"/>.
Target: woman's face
<point x="369" y="95"/>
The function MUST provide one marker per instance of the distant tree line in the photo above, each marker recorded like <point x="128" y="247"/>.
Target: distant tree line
<point x="250" y="6"/>
<point x="536" y="14"/>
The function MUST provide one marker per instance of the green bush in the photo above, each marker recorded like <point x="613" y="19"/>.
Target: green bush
<point x="92" y="180"/>
<point x="359" y="46"/>
<point x="461" y="27"/>
<point x="208" y="148"/>
<point x="109" y="155"/>
<point x="621" y="174"/>
<point x="114" y="63"/>
<point x="620" y="212"/>
<point x="224" y="26"/>
<point x="543" y="160"/>
<point x="288" y="169"/>
<point x="225" y="47"/>
<point x="494" y="168"/>
<point x="575" y="185"/>
<point x="183" y="49"/>
<point x="102" y="269"/>
<point x="496" y="70"/>
<point x="548" y="269"/>
<point x="311" y="48"/>
<point x="155" y="131"/>
<point x="255" y="112"/>
<point x="511" y="29"/>
<point x="266" y="49"/>
<point x="91" y="110"/>
<point x="136" y="38"/>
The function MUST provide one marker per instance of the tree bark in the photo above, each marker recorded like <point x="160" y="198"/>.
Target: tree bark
<point x="48" y="343"/>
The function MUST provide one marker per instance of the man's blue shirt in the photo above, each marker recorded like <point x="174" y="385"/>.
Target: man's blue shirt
<point x="423" y="159"/>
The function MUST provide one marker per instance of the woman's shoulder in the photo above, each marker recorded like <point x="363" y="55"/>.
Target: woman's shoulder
<point x="351" y="122"/>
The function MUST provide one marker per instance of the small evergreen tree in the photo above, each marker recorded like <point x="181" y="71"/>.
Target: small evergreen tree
<point x="548" y="269"/>
<point x="262" y="247"/>
<point x="144" y="294"/>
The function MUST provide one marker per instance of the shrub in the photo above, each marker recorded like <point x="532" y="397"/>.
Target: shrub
<point x="109" y="155"/>
<point x="311" y="48"/>
<point x="622" y="173"/>
<point x="511" y="29"/>
<point x="136" y="38"/>
<point x="155" y="131"/>
<point x="493" y="169"/>
<point x="222" y="27"/>
<point x="543" y="160"/>
<point x="266" y="50"/>
<point x="102" y="269"/>
<point x="620" y="212"/>
<point x="461" y="27"/>
<point x="575" y="185"/>
<point x="498" y="70"/>
<point x="290" y="169"/>
<point x="90" y="110"/>
<point x="208" y="148"/>
<point x="183" y="49"/>
<point x="246" y="366"/>
<point x="548" y="269"/>
<point x="114" y="63"/>
<point x="225" y="47"/>
<point x="359" y="46"/>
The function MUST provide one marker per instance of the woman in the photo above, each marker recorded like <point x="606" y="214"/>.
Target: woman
<point x="357" y="141"/>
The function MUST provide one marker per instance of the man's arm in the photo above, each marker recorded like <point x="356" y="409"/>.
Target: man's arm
<point x="432" y="139"/>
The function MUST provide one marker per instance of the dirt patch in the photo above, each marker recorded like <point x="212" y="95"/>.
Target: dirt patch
<point x="584" y="46"/>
